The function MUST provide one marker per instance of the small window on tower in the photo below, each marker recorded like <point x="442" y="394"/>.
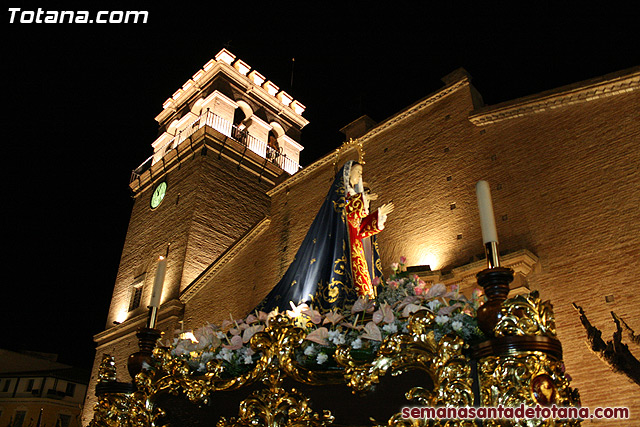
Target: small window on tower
<point x="30" y="385"/>
<point x="18" y="419"/>
<point x="63" y="420"/>
<point x="136" y="293"/>
<point x="71" y="389"/>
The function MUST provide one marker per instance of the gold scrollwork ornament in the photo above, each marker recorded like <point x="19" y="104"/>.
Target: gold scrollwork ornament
<point x="528" y="378"/>
<point x="526" y="315"/>
<point x="275" y="407"/>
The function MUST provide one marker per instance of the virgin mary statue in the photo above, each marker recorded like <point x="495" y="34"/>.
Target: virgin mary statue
<point x="331" y="269"/>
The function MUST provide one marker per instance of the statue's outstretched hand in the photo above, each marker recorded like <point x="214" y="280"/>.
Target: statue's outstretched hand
<point x="387" y="208"/>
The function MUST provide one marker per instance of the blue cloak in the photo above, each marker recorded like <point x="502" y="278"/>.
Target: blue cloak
<point x="320" y="273"/>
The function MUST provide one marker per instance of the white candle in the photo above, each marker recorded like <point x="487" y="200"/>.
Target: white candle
<point x="158" y="282"/>
<point x="487" y="220"/>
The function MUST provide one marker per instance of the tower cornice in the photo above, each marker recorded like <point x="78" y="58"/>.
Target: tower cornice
<point x="252" y="83"/>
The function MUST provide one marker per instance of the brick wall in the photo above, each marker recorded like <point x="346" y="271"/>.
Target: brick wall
<point x="209" y="204"/>
<point x="565" y="185"/>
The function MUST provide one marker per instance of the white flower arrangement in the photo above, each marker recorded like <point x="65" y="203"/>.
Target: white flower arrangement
<point x="362" y="328"/>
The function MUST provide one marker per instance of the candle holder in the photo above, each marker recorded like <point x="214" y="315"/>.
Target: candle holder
<point x="147" y="338"/>
<point x="492" y="254"/>
<point x="153" y="317"/>
<point x="495" y="282"/>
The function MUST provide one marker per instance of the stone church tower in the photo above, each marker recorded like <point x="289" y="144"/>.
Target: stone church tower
<point x="226" y="138"/>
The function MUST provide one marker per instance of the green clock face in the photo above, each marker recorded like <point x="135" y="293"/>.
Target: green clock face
<point x="158" y="194"/>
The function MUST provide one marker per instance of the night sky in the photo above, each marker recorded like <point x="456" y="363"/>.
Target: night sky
<point x="80" y="102"/>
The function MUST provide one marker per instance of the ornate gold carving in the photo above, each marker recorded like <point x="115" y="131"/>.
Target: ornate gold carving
<point x="449" y="368"/>
<point x="122" y="410"/>
<point x="107" y="369"/>
<point x="275" y="407"/>
<point x="526" y="315"/>
<point x="528" y="378"/>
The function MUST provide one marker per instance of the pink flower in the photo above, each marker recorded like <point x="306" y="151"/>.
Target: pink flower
<point x="372" y="332"/>
<point x="384" y="313"/>
<point x="394" y="266"/>
<point x="251" y="331"/>
<point x="376" y="281"/>
<point x="411" y="308"/>
<point x="407" y="300"/>
<point x="333" y="318"/>
<point x="363" y="304"/>
<point x="436" y="290"/>
<point x="393" y="284"/>
<point x="318" y="336"/>
<point x="445" y="311"/>
<point x="421" y="287"/>
<point x="236" y="343"/>
<point x="351" y="325"/>
<point x="403" y="260"/>
<point x="226" y="325"/>
<point x="313" y="315"/>
<point x="251" y="319"/>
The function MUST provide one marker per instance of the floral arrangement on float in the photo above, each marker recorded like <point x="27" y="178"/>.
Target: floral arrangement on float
<point x="361" y="328"/>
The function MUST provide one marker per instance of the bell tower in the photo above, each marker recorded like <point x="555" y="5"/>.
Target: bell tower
<point x="226" y="137"/>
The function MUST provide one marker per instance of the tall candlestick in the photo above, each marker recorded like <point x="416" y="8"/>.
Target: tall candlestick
<point x="159" y="282"/>
<point x="487" y="220"/>
<point x="156" y="294"/>
<point x="488" y="223"/>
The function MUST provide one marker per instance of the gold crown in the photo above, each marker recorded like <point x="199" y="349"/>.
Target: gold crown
<point x="347" y="146"/>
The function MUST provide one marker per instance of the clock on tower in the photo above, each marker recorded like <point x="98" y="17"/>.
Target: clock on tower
<point x="213" y="151"/>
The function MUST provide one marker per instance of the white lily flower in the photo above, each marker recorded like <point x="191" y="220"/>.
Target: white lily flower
<point x="391" y="328"/>
<point x="441" y="320"/>
<point x="321" y="358"/>
<point x="310" y="351"/>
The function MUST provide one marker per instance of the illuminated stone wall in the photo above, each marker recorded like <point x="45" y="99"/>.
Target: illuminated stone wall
<point x="565" y="186"/>
<point x="208" y="205"/>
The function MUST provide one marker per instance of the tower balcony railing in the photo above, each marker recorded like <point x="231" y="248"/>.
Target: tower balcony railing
<point x="228" y="129"/>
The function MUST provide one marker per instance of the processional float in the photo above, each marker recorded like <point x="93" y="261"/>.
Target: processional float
<point x="416" y="347"/>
